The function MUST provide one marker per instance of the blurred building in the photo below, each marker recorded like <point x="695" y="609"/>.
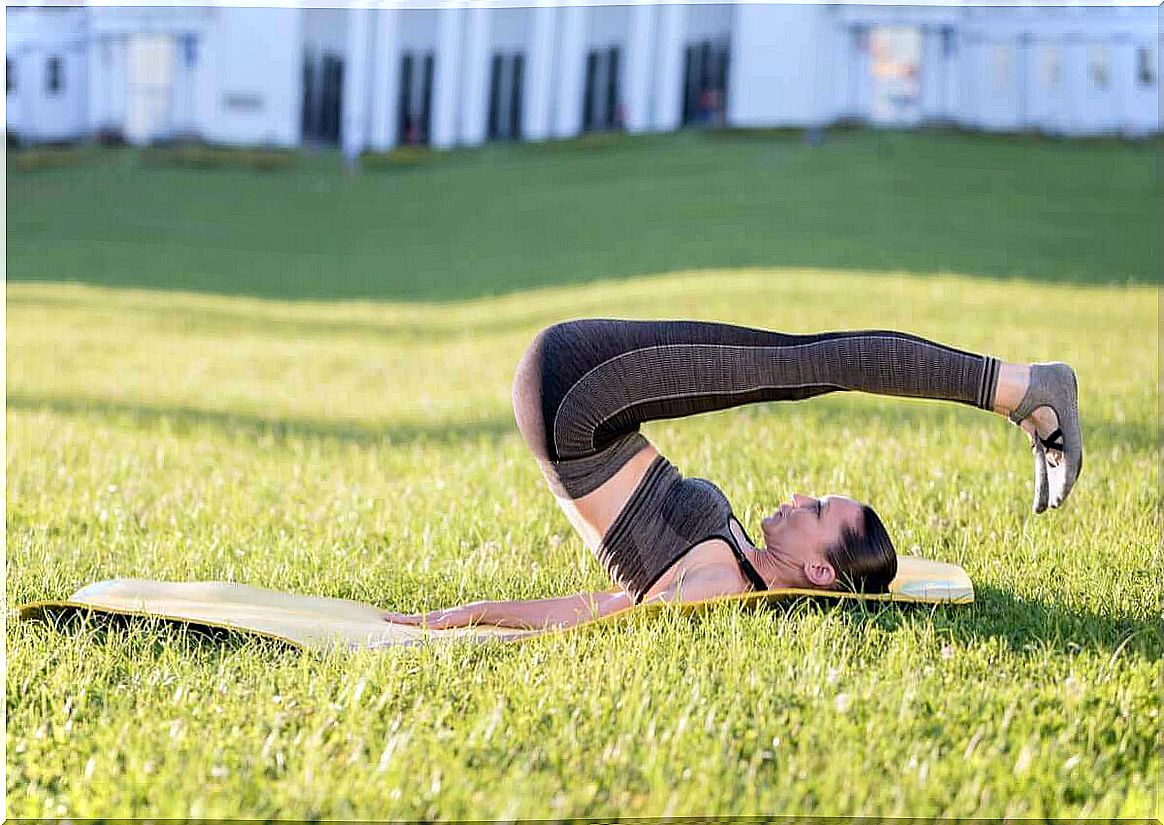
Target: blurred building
<point x="377" y="78"/>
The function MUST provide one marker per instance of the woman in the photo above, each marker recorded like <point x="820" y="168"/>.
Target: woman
<point x="583" y="388"/>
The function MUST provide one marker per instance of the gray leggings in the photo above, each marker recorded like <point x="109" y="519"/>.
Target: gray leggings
<point x="583" y="387"/>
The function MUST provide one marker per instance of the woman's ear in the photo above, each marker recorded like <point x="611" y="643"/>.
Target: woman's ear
<point x="820" y="573"/>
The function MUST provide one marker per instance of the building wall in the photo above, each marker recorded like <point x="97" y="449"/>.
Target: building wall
<point x="34" y="39"/>
<point x="779" y="73"/>
<point x="235" y="75"/>
<point x="257" y="67"/>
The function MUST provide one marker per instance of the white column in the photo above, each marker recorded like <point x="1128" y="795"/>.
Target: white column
<point x="640" y="58"/>
<point x="1123" y="82"/>
<point x="951" y="66"/>
<point x="385" y="83"/>
<point x="96" y="79"/>
<point x="856" y="101"/>
<point x="669" y="77"/>
<point x="539" y="76"/>
<point x="571" y="71"/>
<point x="972" y="77"/>
<point x="475" y="92"/>
<point x="932" y="76"/>
<point x="354" y="131"/>
<point x="1075" y="81"/>
<point x="31" y="78"/>
<point x="448" y="72"/>
<point x="1024" y="63"/>
<point x="182" y="116"/>
<point x="853" y="46"/>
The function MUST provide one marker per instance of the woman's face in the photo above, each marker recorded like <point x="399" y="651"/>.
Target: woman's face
<point x="800" y="531"/>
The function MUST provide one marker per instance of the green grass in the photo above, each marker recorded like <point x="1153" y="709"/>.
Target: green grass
<point x="366" y="449"/>
<point x="471" y="224"/>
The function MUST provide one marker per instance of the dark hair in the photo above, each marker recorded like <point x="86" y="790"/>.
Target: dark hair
<point x="864" y="560"/>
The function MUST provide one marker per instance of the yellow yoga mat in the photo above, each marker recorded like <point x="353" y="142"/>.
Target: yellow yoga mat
<point x="320" y="623"/>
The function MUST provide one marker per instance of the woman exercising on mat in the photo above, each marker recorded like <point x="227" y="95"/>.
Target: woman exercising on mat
<point x="583" y="388"/>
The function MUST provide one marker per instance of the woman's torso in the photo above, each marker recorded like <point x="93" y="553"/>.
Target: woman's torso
<point x="709" y="565"/>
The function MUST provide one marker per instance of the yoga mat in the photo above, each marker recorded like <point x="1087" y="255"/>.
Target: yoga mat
<point x="321" y="623"/>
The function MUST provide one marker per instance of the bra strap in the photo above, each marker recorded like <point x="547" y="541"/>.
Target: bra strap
<point x="758" y="583"/>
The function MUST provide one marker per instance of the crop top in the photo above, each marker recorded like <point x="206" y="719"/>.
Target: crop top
<point x="663" y="519"/>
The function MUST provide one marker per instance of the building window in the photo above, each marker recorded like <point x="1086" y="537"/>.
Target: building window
<point x="1097" y="66"/>
<point x="9" y="75"/>
<point x="1050" y="67"/>
<point x="323" y="80"/>
<point x="415" y="102"/>
<point x="1003" y="60"/>
<point x="54" y="76"/>
<point x="188" y="44"/>
<point x="505" y="83"/>
<point x="1146" y="66"/>
<point x="705" y="83"/>
<point x="601" y="107"/>
<point x="949" y="45"/>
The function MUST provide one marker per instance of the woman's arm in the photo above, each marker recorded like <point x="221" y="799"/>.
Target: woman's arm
<point x="564" y="611"/>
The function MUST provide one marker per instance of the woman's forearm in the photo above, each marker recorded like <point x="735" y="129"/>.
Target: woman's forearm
<point x="564" y="611"/>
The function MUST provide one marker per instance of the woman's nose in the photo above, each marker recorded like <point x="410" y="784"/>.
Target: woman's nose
<point x="799" y="500"/>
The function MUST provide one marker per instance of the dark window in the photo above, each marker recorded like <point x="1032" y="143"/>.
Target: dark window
<point x="310" y="109"/>
<point x="705" y="77"/>
<point x="588" y="95"/>
<point x="505" y="97"/>
<point x="189" y="46"/>
<point x="515" y="96"/>
<point x="1097" y="66"/>
<point x="601" y="103"/>
<point x="9" y="75"/>
<point x="54" y="75"/>
<point x="331" y="97"/>
<point x="415" y="102"/>
<point x="613" y="105"/>
<point x="495" y="104"/>
<point x="948" y="42"/>
<point x="323" y="80"/>
<point x="1145" y="66"/>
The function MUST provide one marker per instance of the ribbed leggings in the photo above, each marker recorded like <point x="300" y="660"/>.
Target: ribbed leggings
<point x="583" y="387"/>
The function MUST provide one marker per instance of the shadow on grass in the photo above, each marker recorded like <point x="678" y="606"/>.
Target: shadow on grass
<point x="425" y="329"/>
<point x="182" y="418"/>
<point x="1031" y="624"/>
<point x="521" y="216"/>
<point x="154" y="633"/>
<point x="1022" y="624"/>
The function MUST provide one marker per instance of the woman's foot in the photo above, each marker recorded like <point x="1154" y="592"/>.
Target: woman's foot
<point x="1043" y="400"/>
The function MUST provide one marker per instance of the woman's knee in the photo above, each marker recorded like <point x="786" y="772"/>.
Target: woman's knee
<point x="551" y="356"/>
<point x="527" y="392"/>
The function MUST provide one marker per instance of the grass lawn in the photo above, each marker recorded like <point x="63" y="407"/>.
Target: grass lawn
<point x="366" y="449"/>
<point x="472" y="224"/>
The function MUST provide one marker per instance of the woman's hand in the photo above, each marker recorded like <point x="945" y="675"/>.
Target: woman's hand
<point x="443" y="619"/>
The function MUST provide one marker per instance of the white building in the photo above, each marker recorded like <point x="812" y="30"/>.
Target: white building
<point x="373" y="78"/>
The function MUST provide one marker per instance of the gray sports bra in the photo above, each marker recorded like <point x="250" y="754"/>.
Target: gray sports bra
<point x="664" y="518"/>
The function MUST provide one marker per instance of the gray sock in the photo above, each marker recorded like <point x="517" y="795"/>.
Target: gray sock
<point x="1053" y="384"/>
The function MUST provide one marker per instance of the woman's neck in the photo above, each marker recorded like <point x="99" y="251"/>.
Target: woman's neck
<point x="774" y="568"/>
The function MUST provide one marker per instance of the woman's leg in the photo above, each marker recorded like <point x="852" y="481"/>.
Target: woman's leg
<point x="584" y="387"/>
<point x="585" y="384"/>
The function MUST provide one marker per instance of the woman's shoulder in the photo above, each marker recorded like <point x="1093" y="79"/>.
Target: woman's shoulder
<point x="709" y="570"/>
